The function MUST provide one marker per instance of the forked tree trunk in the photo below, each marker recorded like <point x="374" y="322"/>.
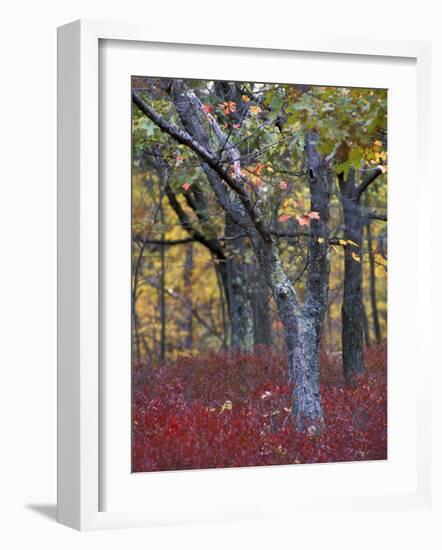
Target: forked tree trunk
<point x="303" y="326"/>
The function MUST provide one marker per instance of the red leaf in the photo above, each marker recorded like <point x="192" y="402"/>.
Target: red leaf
<point x="186" y="186"/>
<point x="303" y="220"/>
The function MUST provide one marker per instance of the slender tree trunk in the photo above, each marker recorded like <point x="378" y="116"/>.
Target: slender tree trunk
<point x="135" y="319"/>
<point x="162" y="289"/>
<point x="188" y="268"/>
<point x="366" y="327"/>
<point x="373" y="298"/>
<point x="222" y="298"/>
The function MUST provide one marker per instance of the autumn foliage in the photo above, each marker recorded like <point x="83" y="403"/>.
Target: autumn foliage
<point x="233" y="409"/>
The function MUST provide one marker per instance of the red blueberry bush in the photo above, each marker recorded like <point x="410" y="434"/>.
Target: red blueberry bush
<point x="233" y="409"/>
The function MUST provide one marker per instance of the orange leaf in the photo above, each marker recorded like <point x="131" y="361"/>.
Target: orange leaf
<point x="228" y="107"/>
<point x="284" y="217"/>
<point x="186" y="186"/>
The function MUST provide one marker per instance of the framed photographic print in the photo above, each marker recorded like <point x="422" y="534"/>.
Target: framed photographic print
<point x="225" y="279"/>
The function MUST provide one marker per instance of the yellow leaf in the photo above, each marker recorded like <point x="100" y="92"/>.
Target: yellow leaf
<point x="320" y="240"/>
<point x="355" y="257"/>
<point x="343" y="242"/>
<point x="226" y="407"/>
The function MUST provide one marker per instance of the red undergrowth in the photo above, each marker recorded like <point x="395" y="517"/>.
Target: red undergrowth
<point x="233" y="409"/>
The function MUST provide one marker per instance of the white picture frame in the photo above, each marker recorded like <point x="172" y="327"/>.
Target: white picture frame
<point x="79" y="203"/>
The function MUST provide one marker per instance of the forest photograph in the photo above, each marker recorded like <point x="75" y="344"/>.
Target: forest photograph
<point x="259" y="274"/>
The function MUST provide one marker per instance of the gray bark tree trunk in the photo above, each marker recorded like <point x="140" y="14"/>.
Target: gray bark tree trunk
<point x="303" y="326"/>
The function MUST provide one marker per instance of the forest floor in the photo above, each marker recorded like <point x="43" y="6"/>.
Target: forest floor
<point x="233" y="409"/>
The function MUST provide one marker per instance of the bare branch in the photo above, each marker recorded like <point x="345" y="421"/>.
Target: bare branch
<point x="368" y="179"/>
<point x="162" y="242"/>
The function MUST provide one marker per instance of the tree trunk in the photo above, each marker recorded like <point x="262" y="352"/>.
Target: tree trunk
<point x="162" y="290"/>
<point x="260" y="306"/>
<point x="373" y="298"/>
<point x="188" y="267"/>
<point x="352" y="306"/>
<point x="366" y="327"/>
<point x="240" y="309"/>
<point x="301" y="338"/>
<point x="303" y="353"/>
<point x="135" y="320"/>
